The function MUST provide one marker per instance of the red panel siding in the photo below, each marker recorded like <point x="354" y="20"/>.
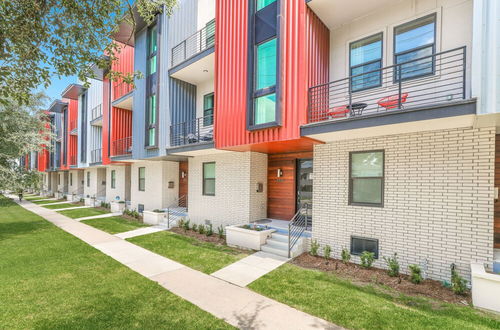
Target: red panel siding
<point x="106" y="117"/>
<point x="121" y="128"/>
<point x="124" y="64"/>
<point x="71" y="146"/>
<point x="318" y="54"/>
<point x="231" y="75"/>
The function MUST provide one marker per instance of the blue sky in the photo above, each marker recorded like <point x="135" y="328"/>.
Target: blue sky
<point x="57" y="86"/>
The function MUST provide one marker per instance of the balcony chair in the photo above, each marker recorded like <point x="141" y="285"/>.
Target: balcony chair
<point x="391" y="102"/>
<point x="338" y="112"/>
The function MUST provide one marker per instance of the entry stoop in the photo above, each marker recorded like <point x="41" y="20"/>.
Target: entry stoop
<point x="278" y="244"/>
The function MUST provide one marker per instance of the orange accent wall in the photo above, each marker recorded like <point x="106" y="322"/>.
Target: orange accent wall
<point x="123" y="64"/>
<point x="121" y="126"/>
<point x="71" y="145"/>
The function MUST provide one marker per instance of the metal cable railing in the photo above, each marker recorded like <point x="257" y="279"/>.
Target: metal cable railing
<point x="121" y="88"/>
<point x="193" y="131"/>
<point x="96" y="112"/>
<point x="300" y="222"/>
<point x="194" y="44"/>
<point x="428" y="80"/>
<point x="96" y="155"/>
<point x="173" y="209"/>
<point x="121" y="147"/>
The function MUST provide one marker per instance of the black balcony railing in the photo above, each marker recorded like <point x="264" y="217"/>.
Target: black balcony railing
<point x="430" y="80"/>
<point x="96" y="112"/>
<point x="121" y="147"/>
<point x="195" y="44"/>
<point x="96" y="156"/>
<point x="190" y="132"/>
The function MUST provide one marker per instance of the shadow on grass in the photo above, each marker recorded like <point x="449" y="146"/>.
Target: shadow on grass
<point x="13" y="229"/>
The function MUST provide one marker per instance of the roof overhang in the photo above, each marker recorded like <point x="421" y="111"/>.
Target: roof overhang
<point x="125" y="32"/>
<point x="57" y="106"/>
<point x="73" y="91"/>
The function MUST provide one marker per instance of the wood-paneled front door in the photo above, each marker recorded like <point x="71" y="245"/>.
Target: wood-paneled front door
<point x="183" y="183"/>
<point x="282" y="188"/>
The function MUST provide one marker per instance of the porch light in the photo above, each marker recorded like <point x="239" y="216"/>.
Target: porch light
<point x="279" y="173"/>
<point x="183" y="174"/>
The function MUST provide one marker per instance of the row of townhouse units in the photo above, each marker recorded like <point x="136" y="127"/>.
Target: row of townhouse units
<point x="368" y="125"/>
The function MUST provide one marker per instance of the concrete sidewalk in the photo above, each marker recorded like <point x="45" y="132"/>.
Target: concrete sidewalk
<point x="238" y="306"/>
<point x="141" y="232"/>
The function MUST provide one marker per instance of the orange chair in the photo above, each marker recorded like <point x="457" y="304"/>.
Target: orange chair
<point x="391" y="102"/>
<point x="338" y="112"/>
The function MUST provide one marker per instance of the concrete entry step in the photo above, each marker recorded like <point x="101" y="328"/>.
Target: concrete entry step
<point x="278" y="244"/>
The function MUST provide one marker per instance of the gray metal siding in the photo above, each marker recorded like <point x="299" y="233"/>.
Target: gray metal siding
<point x="183" y="22"/>
<point x="182" y="101"/>
<point x="138" y="124"/>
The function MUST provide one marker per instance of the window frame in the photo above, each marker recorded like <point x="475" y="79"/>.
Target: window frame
<point x="433" y="45"/>
<point x="375" y="240"/>
<point x="139" y="179"/>
<point x="256" y="7"/>
<point x="71" y="179"/>
<point x="381" y="60"/>
<point x="204" y="193"/>
<point x="207" y="122"/>
<point x="149" y="92"/>
<point x="382" y="178"/>
<point x="88" y="179"/>
<point x="113" y="179"/>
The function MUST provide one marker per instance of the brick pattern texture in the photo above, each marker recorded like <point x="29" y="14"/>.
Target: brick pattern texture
<point x="438" y="204"/>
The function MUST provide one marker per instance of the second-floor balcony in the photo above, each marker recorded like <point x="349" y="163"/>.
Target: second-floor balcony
<point x="194" y="44"/>
<point x="424" y="82"/>
<point x="121" y="147"/>
<point x="96" y="156"/>
<point x="196" y="131"/>
<point x="73" y="160"/>
<point x="96" y="115"/>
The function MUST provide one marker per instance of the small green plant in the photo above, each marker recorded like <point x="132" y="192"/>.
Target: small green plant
<point x="415" y="274"/>
<point x="195" y="227"/>
<point x="210" y="230"/>
<point x="158" y="211"/>
<point x="393" y="265"/>
<point x="105" y="205"/>
<point x="186" y="225"/>
<point x="82" y="200"/>
<point x="367" y="259"/>
<point x="180" y="223"/>
<point x="327" y="250"/>
<point x="346" y="255"/>
<point x="458" y="283"/>
<point x="314" y="247"/>
<point x="201" y="229"/>
<point x="220" y="231"/>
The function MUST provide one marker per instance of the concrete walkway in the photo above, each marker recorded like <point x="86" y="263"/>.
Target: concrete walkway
<point x="72" y="208"/>
<point x="43" y="199"/>
<point x="238" y="306"/>
<point x="105" y="215"/>
<point x="56" y="203"/>
<point x="140" y="232"/>
<point x="251" y="268"/>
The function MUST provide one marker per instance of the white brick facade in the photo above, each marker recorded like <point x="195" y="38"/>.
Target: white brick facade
<point x="97" y="185"/>
<point x="156" y="195"/>
<point x="438" y="203"/>
<point x="75" y="182"/>
<point x="236" y="198"/>
<point x="121" y="191"/>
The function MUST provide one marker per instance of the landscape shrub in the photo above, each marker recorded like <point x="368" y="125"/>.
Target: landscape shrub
<point x="367" y="259"/>
<point x="393" y="265"/>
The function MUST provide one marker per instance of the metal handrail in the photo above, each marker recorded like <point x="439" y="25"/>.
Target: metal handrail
<point x="96" y="155"/>
<point x="96" y="112"/>
<point x="122" y="147"/>
<point x="431" y="79"/>
<point x="121" y="88"/>
<point x="297" y="226"/>
<point x="181" y="201"/>
<point x="194" y="44"/>
<point x="193" y="131"/>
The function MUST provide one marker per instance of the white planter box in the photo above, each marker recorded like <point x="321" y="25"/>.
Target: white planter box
<point x="485" y="288"/>
<point x="59" y="195"/>
<point x="246" y="238"/>
<point x="117" y="207"/>
<point x="152" y="218"/>
<point x="90" y="202"/>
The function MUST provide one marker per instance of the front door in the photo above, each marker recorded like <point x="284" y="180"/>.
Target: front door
<point x="305" y="184"/>
<point x="183" y="183"/>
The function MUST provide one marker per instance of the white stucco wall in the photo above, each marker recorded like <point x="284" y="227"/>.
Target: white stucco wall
<point x="122" y="188"/>
<point x="97" y="185"/>
<point x="75" y="186"/>
<point x="156" y="195"/>
<point x="202" y="89"/>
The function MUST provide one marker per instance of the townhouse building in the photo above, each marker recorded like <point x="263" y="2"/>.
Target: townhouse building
<point x="367" y="125"/>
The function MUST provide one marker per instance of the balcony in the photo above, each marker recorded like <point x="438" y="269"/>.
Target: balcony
<point x="429" y="82"/>
<point x="194" y="44"/>
<point x="73" y="127"/>
<point x="197" y="131"/>
<point x="96" y="116"/>
<point x="122" y="95"/>
<point x="96" y="156"/>
<point x="121" y="147"/>
<point x="73" y="160"/>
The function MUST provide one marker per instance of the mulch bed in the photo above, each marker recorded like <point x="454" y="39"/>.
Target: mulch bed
<point x="201" y="237"/>
<point x="356" y="273"/>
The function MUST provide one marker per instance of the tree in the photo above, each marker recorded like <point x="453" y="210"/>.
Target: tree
<point x="43" y="38"/>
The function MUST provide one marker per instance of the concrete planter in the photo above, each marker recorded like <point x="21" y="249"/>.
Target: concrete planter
<point x="152" y="218"/>
<point x="90" y="202"/>
<point x="117" y="207"/>
<point x="247" y="238"/>
<point x="485" y="288"/>
<point x="59" y="195"/>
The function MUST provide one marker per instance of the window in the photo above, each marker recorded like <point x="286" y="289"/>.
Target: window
<point x="113" y="179"/>
<point x="265" y="83"/>
<point x="208" y="109"/>
<point x="366" y="182"/>
<point x="361" y="244"/>
<point x="412" y="41"/>
<point x="142" y="179"/>
<point x="209" y="179"/>
<point x="365" y="56"/>
<point x="151" y="82"/>
<point x="210" y="33"/>
<point x="264" y="3"/>
<point x="59" y="179"/>
<point x="88" y="179"/>
<point x="71" y="179"/>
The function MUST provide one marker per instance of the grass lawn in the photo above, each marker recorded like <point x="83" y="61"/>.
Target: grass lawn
<point x="52" y="280"/>
<point x="60" y="206"/>
<point x="86" y="212"/>
<point x="203" y="256"/>
<point x="49" y="201"/>
<point x="364" y="307"/>
<point x="114" y="225"/>
<point x="32" y="197"/>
